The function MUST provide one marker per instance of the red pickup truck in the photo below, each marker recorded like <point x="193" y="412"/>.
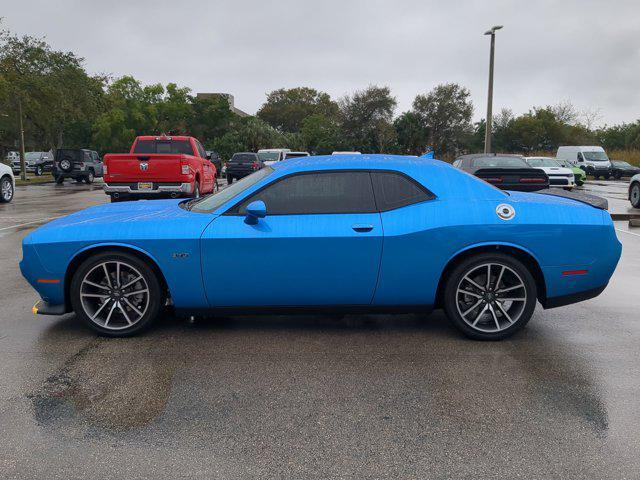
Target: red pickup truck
<point x="159" y="166"/>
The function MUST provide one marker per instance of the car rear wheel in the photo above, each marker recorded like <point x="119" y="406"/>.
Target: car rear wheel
<point x="89" y="178"/>
<point x="6" y="190"/>
<point x="116" y="294"/>
<point x="490" y="296"/>
<point x="634" y="195"/>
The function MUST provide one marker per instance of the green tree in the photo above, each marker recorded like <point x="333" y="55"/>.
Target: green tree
<point x="321" y="135"/>
<point x="366" y="119"/>
<point x="412" y="136"/>
<point x="285" y="109"/>
<point x="445" y="113"/>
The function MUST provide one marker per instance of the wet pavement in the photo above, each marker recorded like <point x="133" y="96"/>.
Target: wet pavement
<point x="315" y="397"/>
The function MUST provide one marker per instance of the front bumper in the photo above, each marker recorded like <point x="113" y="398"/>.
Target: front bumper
<point x="157" y="189"/>
<point x="562" y="181"/>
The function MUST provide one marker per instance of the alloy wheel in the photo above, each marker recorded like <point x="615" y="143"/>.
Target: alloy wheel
<point x="114" y="295"/>
<point x="635" y="195"/>
<point x="491" y="297"/>
<point x="7" y="190"/>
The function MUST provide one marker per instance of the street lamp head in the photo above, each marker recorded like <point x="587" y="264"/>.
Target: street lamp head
<point x="493" y="30"/>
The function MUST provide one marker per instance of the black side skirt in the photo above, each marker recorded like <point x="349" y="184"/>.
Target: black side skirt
<point x="308" y="310"/>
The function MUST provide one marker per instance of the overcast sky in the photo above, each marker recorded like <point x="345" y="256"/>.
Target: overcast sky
<point x="583" y="51"/>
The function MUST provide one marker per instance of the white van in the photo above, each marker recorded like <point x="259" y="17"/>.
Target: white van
<point x="592" y="160"/>
<point x="269" y="156"/>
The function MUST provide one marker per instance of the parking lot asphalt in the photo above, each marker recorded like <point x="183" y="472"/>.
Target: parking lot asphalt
<point x="311" y="396"/>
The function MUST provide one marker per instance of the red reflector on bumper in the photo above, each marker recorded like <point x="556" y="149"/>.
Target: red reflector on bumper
<point x="574" y="272"/>
<point x="532" y="180"/>
<point x="48" y="280"/>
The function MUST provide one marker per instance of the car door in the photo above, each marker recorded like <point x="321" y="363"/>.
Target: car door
<point x="319" y="244"/>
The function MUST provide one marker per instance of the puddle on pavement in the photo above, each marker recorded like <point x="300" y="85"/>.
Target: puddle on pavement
<point x="105" y="388"/>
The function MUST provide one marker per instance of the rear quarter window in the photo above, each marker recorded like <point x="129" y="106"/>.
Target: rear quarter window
<point x="394" y="190"/>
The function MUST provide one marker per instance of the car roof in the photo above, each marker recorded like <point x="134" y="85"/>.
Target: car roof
<point x="355" y="162"/>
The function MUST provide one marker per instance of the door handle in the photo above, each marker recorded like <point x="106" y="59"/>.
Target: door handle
<point x="362" y="227"/>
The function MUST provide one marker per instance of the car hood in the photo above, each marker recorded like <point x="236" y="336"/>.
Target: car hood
<point x="123" y="220"/>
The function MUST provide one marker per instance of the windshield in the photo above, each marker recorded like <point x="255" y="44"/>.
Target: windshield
<point x="595" y="156"/>
<point x="620" y="163"/>
<point x="296" y="155"/>
<point x="506" y="162"/>
<point x="268" y="156"/>
<point x="542" y="162"/>
<point x="243" y="158"/>
<point x="565" y="163"/>
<point x="211" y="202"/>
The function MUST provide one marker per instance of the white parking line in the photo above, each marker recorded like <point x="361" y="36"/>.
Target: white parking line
<point x="30" y="223"/>
<point x="630" y="233"/>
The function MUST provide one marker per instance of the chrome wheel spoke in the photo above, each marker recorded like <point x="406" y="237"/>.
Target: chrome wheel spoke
<point x="472" y="282"/>
<point x="113" y="307"/>
<point x="106" y="274"/>
<point x="124" y="312"/>
<point x="132" y="306"/>
<point x="124" y="287"/>
<point x="479" y="316"/>
<point x="509" y="289"/>
<point x="504" y="313"/>
<point x="94" y="295"/>
<point x="497" y="285"/>
<point x="495" y="317"/>
<point x="512" y="299"/>
<point x="100" y="309"/>
<point x="466" y="292"/>
<point x="97" y="285"/>
<point x="137" y="292"/>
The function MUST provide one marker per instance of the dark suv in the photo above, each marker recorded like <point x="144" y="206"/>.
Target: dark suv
<point x="242" y="164"/>
<point x="77" y="163"/>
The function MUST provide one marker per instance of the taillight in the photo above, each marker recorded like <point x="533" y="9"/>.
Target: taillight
<point x="105" y="170"/>
<point x="254" y="165"/>
<point x="532" y="180"/>
<point x="493" y="179"/>
<point x="185" y="170"/>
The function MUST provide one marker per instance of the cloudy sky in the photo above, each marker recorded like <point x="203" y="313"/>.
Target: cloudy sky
<point x="583" y="51"/>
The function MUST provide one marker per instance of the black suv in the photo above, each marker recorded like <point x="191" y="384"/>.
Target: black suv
<point x="77" y="163"/>
<point x="217" y="161"/>
<point x="242" y="164"/>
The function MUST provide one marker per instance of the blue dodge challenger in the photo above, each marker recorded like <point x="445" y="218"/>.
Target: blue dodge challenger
<point x="350" y="233"/>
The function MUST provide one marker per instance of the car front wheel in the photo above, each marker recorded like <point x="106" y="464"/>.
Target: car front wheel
<point x="490" y="296"/>
<point x="38" y="171"/>
<point x="6" y="190"/>
<point x="116" y="294"/>
<point x="634" y="195"/>
<point x="89" y="178"/>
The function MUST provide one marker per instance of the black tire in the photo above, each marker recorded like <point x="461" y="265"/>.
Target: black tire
<point x="38" y="171"/>
<point x="229" y="179"/>
<point x="59" y="179"/>
<point x="634" y="194"/>
<point x="196" y="190"/>
<point x="476" y="263"/>
<point x="115" y="199"/>
<point x="617" y="176"/>
<point x="89" y="178"/>
<point x="596" y="177"/>
<point x="155" y="299"/>
<point x="6" y="190"/>
<point x="607" y="176"/>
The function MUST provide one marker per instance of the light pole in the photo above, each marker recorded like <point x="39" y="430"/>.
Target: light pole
<point x="487" y="133"/>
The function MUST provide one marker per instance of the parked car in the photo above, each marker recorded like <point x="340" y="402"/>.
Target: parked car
<point x="346" y="153"/>
<point x="216" y="160"/>
<point x="242" y="164"/>
<point x="34" y="162"/>
<point x="11" y="156"/>
<point x="295" y="154"/>
<point x="592" y="159"/>
<point x="159" y="166"/>
<point x="7" y="184"/>
<point x="80" y="164"/>
<point x="269" y="156"/>
<point x="309" y="236"/>
<point x="579" y="175"/>
<point x="621" y="169"/>
<point x="634" y="191"/>
<point x="507" y="172"/>
<point x="558" y="176"/>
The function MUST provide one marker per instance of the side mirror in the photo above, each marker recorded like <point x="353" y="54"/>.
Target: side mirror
<point x="255" y="211"/>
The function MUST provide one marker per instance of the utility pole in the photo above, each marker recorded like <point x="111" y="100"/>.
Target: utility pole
<point x="487" y="133"/>
<point x="23" y="168"/>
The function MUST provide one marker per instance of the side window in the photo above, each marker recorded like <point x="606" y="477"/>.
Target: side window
<point x="86" y="156"/>
<point x="580" y="158"/>
<point x="201" y="152"/>
<point x="95" y="156"/>
<point x="317" y="193"/>
<point x="394" y="190"/>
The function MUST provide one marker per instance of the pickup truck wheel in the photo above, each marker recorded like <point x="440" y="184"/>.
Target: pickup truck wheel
<point x="196" y="191"/>
<point x="116" y="294"/>
<point x="90" y="177"/>
<point x="79" y="180"/>
<point x="38" y="171"/>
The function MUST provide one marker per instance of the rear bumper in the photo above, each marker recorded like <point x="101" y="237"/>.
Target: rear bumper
<point x="568" y="299"/>
<point x="46" y="308"/>
<point x="158" y="189"/>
